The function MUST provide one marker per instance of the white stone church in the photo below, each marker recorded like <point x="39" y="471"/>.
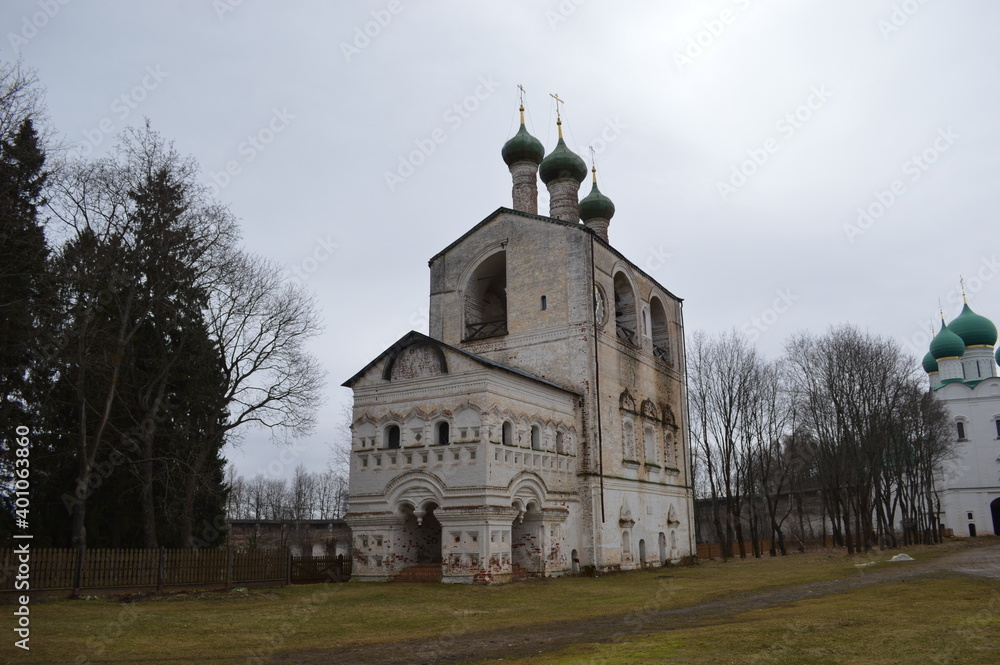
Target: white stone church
<point x="540" y="427"/>
<point x="962" y="368"/>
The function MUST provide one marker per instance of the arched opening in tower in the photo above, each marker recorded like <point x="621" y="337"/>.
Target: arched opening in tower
<point x="660" y="332"/>
<point x="625" y="317"/>
<point x="486" y="299"/>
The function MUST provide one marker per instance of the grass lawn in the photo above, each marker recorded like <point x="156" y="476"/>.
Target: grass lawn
<point x="218" y="627"/>
<point x="941" y="619"/>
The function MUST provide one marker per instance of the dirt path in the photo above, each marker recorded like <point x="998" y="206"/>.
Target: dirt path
<point x="478" y="646"/>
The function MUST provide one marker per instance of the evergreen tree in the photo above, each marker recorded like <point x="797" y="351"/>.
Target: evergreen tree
<point x="23" y="285"/>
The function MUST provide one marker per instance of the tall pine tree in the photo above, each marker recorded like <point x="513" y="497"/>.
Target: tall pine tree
<point x="23" y="283"/>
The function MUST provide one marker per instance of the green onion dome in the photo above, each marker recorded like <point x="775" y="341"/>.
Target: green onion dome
<point x="975" y="330"/>
<point x="947" y="344"/>
<point x="997" y="356"/>
<point x="562" y="163"/>
<point x="930" y="365"/>
<point x="596" y="205"/>
<point x="522" y="147"/>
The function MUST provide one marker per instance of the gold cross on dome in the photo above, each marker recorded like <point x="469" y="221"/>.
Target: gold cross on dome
<point x="558" y="102"/>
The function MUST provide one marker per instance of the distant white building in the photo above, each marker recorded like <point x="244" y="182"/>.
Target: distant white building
<point x="540" y="426"/>
<point x="962" y="368"/>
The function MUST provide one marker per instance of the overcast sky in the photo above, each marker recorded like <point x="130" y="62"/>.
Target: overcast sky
<point x="781" y="166"/>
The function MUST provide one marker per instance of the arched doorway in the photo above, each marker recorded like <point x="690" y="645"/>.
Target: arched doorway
<point x="421" y="533"/>
<point x="642" y="552"/>
<point x="526" y="539"/>
<point x="995" y="509"/>
<point x="663" y="548"/>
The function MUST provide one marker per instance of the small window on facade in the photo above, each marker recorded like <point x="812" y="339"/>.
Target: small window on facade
<point x="545" y="303"/>
<point x="536" y="438"/>
<point x="961" y="429"/>
<point x="507" y="433"/>
<point x="560" y="445"/>
<point x="443" y="433"/>
<point x="969" y="515"/>
<point x="391" y="437"/>
<point x="997" y="423"/>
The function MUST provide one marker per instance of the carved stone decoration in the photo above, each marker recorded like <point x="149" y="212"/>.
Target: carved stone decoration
<point x="625" y="520"/>
<point x="626" y="402"/>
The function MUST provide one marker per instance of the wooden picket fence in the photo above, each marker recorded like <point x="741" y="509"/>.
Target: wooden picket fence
<point x="307" y="570"/>
<point x="70" y="569"/>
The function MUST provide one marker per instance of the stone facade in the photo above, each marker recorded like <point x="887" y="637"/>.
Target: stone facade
<point x="539" y="427"/>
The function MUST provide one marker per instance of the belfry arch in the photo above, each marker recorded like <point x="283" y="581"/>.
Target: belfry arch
<point x="485" y="305"/>
<point x="625" y="311"/>
<point x="660" y="331"/>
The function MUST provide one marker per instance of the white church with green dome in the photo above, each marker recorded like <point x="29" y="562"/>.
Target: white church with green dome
<point x="962" y="368"/>
<point x="540" y="426"/>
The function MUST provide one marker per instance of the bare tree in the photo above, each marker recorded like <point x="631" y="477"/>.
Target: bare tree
<point x="261" y="325"/>
<point x="878" y="435"/>
<point x="21" y="98"/>
<point x="725" y="375"/>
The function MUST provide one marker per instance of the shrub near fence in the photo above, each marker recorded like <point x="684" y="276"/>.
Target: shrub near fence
<point x="68" y="569"/>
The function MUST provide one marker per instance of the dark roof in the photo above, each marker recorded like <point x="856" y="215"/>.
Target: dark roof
<point x="414" y="337"/>
<point x="551" y="220"/>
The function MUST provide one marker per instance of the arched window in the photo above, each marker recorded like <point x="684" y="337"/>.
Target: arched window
<point x="390" y="437"/>
<point x="649" y="439"/>
<point x="507" y="433"/>
<point x="625" y="318"/>
<point x="443" y="433"/>
<point x="661" y="334"/>
<point x="628" y="442"/>
<point x="486" y="299"/>
<point x="961" y="430"/>
<point x="996" y="423"/>
<point x="536" y="438"/>
<point x="670" y="450"/>
<point x="560" y="444"/>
